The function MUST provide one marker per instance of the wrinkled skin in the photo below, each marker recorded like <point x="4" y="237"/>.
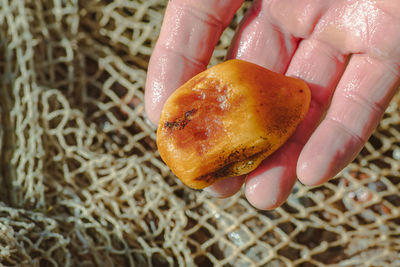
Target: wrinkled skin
<point x="348" y="51"/>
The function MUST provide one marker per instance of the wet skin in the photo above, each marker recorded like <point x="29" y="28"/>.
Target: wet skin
<point x="348" y="51"/>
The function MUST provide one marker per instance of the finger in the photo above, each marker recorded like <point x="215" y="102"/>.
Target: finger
<point x="320" y="66"/>
<point x="273" y="49"/>
<point x="225" y="188"/>
<point x="260" y="41"/>
<point x="270" y="31"/>
<point x="270" y="184"/>
<point x="188" y="36"/>
<point x="360" y="99"/>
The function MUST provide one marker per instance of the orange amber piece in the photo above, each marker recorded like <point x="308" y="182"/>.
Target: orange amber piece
<point x="224" y="121"/>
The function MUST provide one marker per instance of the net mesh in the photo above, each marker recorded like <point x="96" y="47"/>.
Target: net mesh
<point x="82" y="183"/>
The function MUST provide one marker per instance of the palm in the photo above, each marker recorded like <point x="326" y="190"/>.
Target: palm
<point x="348" y="51"/>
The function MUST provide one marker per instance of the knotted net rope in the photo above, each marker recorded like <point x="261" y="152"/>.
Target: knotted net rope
<point x="82" y="183"/>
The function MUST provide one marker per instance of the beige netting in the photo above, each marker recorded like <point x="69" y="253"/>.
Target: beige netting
<point x="82" y="183"/>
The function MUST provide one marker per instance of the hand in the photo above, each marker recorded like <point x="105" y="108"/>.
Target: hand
<point x="348" y="51"/>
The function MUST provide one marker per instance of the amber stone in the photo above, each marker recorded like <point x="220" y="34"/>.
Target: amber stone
<point x="224" y="121"/>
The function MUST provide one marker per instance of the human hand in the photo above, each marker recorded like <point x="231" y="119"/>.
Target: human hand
<point x="348" y="51"/>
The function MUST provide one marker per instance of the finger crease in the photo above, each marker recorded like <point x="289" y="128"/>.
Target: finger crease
<point x="330" y="51"/>
<point x="392" y="67"/>
<point x="347" y="130"/>
<point x="191" y="59"/>
<point x="204" y="16"/>
<point x="363" y="101"/>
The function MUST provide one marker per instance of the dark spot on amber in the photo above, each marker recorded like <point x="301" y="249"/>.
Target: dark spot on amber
<point x="189" y="113"/>
<point x="227" y="169"/>
<point x="180" y="124"/>
<point x="221" y="172"/>
<point x="198" y="125"/>
<point x="301" y="90"/>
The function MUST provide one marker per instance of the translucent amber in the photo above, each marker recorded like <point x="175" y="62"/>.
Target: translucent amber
<point x="226" y="120"/>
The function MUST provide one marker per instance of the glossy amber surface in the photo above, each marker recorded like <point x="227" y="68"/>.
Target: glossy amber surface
<point x="226" y="120"/>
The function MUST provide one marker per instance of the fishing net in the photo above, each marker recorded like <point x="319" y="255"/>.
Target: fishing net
<point x="82" y="183"/>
